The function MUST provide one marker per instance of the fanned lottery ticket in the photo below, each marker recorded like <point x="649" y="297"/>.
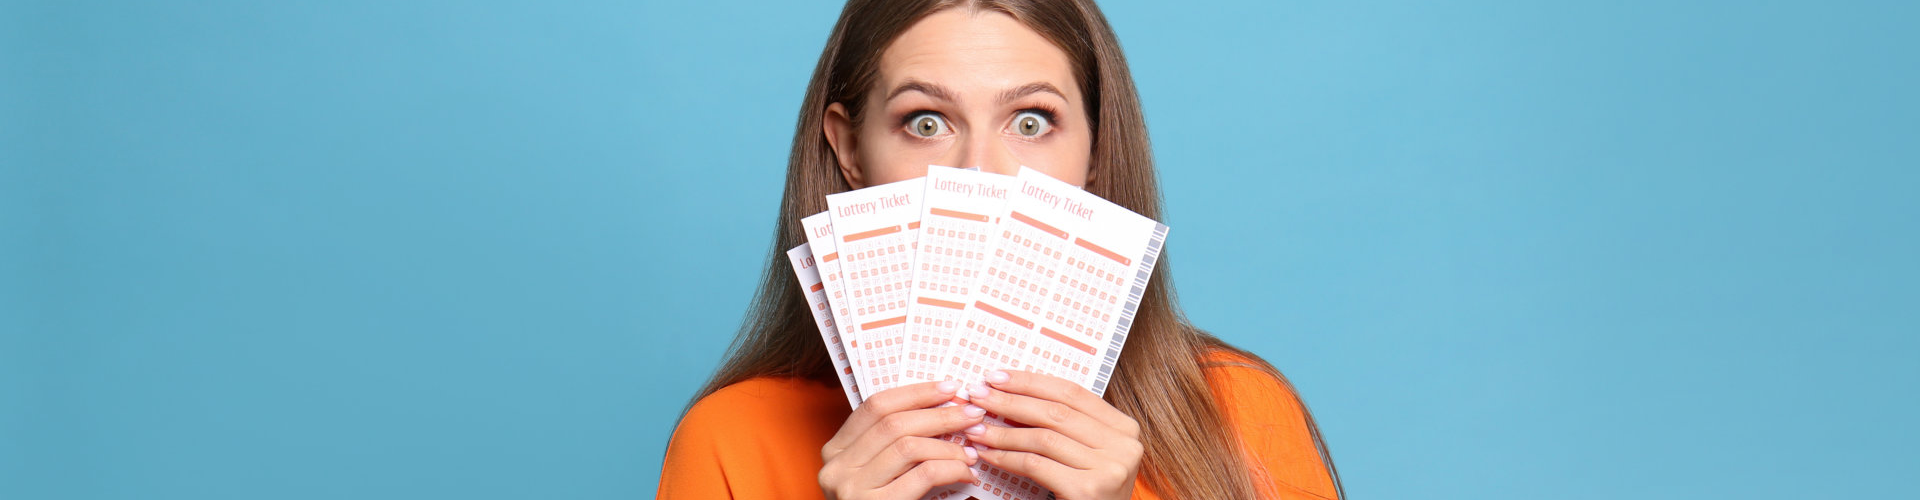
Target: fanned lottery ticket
<point x="823" y="245"/>
<point x="1061" y="287"/>
<point x="962" y="272"/>
<point x="816" y="291"/>
<point x="958" y="223"/>
<point x="876" y="229"/>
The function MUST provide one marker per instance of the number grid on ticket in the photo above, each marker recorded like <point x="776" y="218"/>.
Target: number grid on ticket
<point x="820" y="241"/>
<point x="962" y="272"/>
<point x="959" y="214"/>
<point x="877" y="229"/>
<point x="816" y="292"/>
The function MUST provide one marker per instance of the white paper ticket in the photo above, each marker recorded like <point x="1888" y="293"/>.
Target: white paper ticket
<point x="816" y="291"/>
<point x="1061" y="286"/>
<point x="820" y="241"/>
<point x="876" y="228"/>
<point x="957" y="233"/>
<point x="962" y="272"/>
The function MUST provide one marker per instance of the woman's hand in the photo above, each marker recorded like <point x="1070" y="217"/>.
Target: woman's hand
<point x="1079" y="446"/>
<point x="889" y="448"/>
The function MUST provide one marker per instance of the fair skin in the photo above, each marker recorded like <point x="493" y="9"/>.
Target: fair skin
<point x="970" y="88"/>
<point x="966" y="88"/>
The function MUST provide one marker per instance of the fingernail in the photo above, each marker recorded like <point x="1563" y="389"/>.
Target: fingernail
<point x="974" y="411"/>
<point x="948" y="386"/>
<point x="977" y="429"/>
<point x="997" y="377"/>
<point x="978" y="391"/>
<point x="972" y="454"/>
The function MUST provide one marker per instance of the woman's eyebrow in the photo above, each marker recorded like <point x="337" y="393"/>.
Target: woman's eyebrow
<point x="1030" y="89"/>
<point x="931" y="90"/>
<point x="941" y="93"/>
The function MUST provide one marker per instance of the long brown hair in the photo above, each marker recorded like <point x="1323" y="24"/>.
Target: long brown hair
<point x="1160" y="378"/>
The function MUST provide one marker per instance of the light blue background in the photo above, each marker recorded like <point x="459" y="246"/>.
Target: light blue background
<point x="421" y="249"/>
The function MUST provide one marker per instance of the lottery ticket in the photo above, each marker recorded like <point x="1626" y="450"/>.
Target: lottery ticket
<point x="1061" y="287"/>
<point x="875" y="230"/>
<point x="816" y="291"/>
<point x="957" y="229"/>
<point x="962" y="272"/>
<point x="820" y="241"/>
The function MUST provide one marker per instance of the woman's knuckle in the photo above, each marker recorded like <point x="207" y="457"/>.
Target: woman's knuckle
<point x="1032" y="461"/>
<point x="1058" y="413"/>
<point x="891" y="425"/>
<point x="1048" y="440"/>
<point x="906" y="448"/>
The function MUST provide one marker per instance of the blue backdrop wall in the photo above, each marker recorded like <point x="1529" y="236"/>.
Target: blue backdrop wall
<point x="428" y="249"/>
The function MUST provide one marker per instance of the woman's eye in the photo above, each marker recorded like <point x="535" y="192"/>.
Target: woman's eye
<point x="927" y="125"/>
<point x="1031" y="124"/>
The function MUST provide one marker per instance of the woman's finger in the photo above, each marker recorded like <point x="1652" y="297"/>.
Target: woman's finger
<point x="1047" y="442"/>
<point x="905" y="453"/>
<point x="925" y="477"/>
<point x="921" y="423"/>
<point x="1060" y="390"/>
<point x="1036" y="412"/>
<point x="1051" y="474"/>
<point x="884" y="403"/>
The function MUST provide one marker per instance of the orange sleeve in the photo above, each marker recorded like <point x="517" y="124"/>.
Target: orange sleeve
<point x="693" y="464"/>
<point x="758" y="439"/>
<point x="761" y="439"/>
<point x="1272" y="427"/>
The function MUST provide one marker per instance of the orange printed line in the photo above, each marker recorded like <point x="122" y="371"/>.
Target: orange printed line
<point x="1063" y="338"/>
<point x="830" y="257"/>
<point x="869" y="234"/>
<point x="1102" y="251"/>
<point x="940" y="303"/>
<point x="1039" y="225"/>
<point x="957" y="214"/>
<point x="913" y="225"/>
<point x="884" y="322"/>
<point x="1003" y="314"/>
<point x="816" y="287"/>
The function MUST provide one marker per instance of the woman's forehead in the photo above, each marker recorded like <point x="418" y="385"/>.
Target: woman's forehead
<point x="975" y="54"/>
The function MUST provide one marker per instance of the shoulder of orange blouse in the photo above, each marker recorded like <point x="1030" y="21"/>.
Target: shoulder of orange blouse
<point x="1270" y="419"/>
<point x="738" y="411"/>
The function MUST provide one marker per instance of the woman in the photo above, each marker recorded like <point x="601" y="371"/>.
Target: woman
<point x="993" y="84"/>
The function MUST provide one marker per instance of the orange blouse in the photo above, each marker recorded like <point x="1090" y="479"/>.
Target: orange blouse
<point x="761" y="438"/>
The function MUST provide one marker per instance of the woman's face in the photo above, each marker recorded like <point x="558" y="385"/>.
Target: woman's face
<point x="966" y="88"/>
